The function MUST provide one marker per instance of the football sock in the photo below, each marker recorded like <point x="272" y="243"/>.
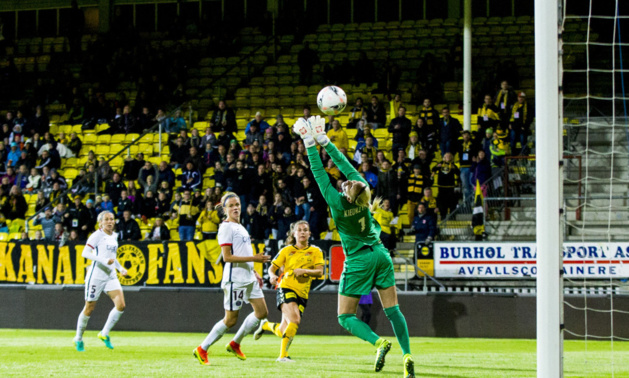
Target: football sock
<point x="215" y="334"/>
<point x="250" y="324"/>
<point x="81" y="324"/>
<point x="112" y="319"/>
<point x="399" y="327"/>
<point x="287" y="338"/>
<point x="358" y="328"/>
<point x="273" y="327"/>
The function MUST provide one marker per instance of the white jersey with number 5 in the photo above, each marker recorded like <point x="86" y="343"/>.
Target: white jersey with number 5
<point x="236" y="236"/>
<point x="106" y="246"/>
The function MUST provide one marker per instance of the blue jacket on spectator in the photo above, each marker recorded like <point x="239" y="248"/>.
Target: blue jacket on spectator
<point x="424" y="226"/>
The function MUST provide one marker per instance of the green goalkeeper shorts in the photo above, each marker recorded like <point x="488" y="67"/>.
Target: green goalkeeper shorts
<point x="365" y="269"/>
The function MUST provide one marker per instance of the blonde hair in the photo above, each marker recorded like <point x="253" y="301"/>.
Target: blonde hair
<point x="220" y="208"/>
<point x="290" y="236"/>
<point x="364" y="198"/>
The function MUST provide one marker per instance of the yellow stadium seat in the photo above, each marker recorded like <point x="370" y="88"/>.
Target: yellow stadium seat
<point x="208" y="183"/>
<point x="240" y="136"/>
<point x="104" y="139"/>
<point x="102" y="149"/>
<point x="201" y="126"/>
<point x="131" y="137"/>
<point x="65" y="129"/>
<point x="351" y="133"/>
<point x="31" y="209"/>
<point x="381" y="133"/>
<point x="90" y="139"/>
<point x="164" y="138"/>
<point x="101" y="127"/>
<point x="70" y="173"/>
<point x="165" y="150"/>
<point x="32" y="198"/>
<point x="116" y="162"/>
<point x="4" y="236"/>
<point x="134" y="149"/>
<point x="117" y="138"/>
<point x="15" y="236"/>
<point x="155" y="160"/>
<point x="54" y="129"/>
<point x="146" y="149"/>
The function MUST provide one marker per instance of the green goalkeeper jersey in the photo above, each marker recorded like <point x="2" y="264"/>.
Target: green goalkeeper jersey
<point x="355" y="224"/>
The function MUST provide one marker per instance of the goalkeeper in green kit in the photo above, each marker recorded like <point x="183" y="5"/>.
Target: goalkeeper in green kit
<point x="367" y="261"/>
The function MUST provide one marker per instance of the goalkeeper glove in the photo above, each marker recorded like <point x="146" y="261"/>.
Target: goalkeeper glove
<point x="302" y="128"/>
<point x="317" y="124"/>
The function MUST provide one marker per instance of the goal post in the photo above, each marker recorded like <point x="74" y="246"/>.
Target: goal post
<point x="549" y="188"/>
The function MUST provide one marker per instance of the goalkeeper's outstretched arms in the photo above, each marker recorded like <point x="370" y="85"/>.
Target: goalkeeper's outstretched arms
<point x="303" y="128"/>
<point x="318" y="128"/>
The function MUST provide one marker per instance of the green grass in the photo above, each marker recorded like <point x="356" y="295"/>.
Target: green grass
<point x="36" y="353"/>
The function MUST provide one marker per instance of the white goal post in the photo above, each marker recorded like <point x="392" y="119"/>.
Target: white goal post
<point x="549" y="188"/>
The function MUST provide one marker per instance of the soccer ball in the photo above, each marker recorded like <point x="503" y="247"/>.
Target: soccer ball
<point x="331" y="100"/>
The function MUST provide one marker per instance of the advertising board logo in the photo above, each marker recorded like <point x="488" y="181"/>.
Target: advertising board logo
<point x="132" y="259"/>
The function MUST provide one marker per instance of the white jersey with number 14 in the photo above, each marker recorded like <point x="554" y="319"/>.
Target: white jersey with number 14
<point x="236" y="236"/>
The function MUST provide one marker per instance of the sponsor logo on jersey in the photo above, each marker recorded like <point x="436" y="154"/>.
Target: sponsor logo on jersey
<point x="132" y="259"/>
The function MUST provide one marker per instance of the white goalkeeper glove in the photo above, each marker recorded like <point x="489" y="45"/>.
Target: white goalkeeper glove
<point x="302" y="128"/>
<point x="317" y="124"/>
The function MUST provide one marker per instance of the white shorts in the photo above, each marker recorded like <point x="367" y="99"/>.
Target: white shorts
<point x="94" y="288"/>
<point x="237" y="294"/>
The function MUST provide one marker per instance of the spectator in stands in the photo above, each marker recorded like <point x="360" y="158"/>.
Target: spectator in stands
<point x="190" y="177"/>
<point x="188" y="214"/>
<point x="178" y="153"/>
<point x="159" y="230"/>
<point x="77" y="218"/>
<point x="41" y="201"/>
<point x="488" y="117"/>
<point x="225" y="137"/>
<point x="124" y="203"/>
<point x="480" y="170"/>
<point x="34" y="180"/>
<point x="165" y="174"/>
<point x="498" y="150"/>
<point x="284" y="222"/>
<point x="400" y="127"/>
<point x="338" y="136"/>
<point x="107" y="204"/>
<point x="91" y="212"/>
<point x="47" y="221"/>
<point x="429" y="114"/>
<point x="133" y="166"/>
<point x="39" y="236"/>
<point x="487" y="141"/>
<point x="276" y="211"/>
<point x="175" y="123"/>
<point x="427" y="136"/>
<point x="21" y="179"/>
<point x="306" y="60"/>
<point x="208" y="139"/>
<point x="147" y="170"/>
<point x="254" y="223"/>
<point x="467" y="150"/>
<point x="449" y="132"/>
<point x="14" y="155"/>
<point x="196" y="160"/>
<point x="384" y="216"/>
<point x="38" y="124"/>
<point x="520" y="124"/>
<point x="414" y="190"/>
<point x="127" y="227"/>
<point x="165" y="188"/>
<point x="145" y="119"/>
<point x="74" y="144"/>
<point x="505" y="99"/>
<point x="148" y="206"/>
<point x="104" y="170"/>
<point x="259" y="122"/>
<point x="15" y="206"/>
<point x="387" y="186"/>
<point x="163" y="205"/>
<point x="448" y="181"/>
<point x="76" y="113"/>
<point x="223" y="117"/>
<point x="17" y="135"/>
<point x="430" y="202"/>
<point x="115" y="187"/>
<point x="208" y="221"/>
<point x="376" y="114"/>
<point x="358" y="112"/>
<point x="424" y="225"/>
<point x="239" y="180"/>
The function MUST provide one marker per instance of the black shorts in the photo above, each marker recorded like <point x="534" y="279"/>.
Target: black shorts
<point x="288" y="296"/>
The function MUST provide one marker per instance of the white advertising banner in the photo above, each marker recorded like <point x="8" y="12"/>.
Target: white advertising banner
<point x="518" y="260"/>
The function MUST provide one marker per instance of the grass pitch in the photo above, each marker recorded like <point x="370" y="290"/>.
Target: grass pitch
<point x="36" y="353"/>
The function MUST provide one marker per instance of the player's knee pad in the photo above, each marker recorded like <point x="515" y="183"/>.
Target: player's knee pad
<point x="345" y="320"/>
<point x="291" y="330"/>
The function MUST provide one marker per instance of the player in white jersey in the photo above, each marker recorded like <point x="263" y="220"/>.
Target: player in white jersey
<point x="241" y="283"/>
<point x="102" y="249"/>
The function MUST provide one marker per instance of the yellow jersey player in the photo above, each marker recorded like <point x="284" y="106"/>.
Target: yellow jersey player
<point x="301" y="263"/>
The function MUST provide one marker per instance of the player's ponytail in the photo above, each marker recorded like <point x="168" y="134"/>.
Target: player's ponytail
<point x="363" y="199"/>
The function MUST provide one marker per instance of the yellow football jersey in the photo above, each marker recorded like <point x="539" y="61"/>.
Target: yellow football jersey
<point x="292" y="258"/>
